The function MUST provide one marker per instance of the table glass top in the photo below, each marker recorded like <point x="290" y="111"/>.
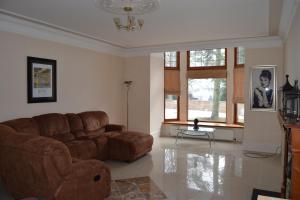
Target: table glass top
<point x="200" y="129"/>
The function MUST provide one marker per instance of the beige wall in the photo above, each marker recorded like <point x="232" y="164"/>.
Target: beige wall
<point x="86" y="80"/>
<point x="137" y="69"/>
<point x="156" y="92"/>
<point x="292" y="50"/>
<point x="262" y="131"/>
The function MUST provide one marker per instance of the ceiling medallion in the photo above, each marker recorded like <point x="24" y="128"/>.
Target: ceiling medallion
<point x="128" y="8"/>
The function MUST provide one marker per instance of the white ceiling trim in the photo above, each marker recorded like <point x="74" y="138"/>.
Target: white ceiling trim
<point x="257" y="42"/>
<point x="289" y="9"/>
<point x="11" y="22"/>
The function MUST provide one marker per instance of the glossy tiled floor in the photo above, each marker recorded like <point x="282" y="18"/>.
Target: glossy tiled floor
<point x="192" y="170"/>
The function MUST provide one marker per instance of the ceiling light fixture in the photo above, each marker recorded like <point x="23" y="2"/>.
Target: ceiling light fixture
<point x="128" y="8"/>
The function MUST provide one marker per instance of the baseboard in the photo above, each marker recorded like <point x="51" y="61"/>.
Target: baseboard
<point x="155" y="133"/>
<point x="262" y="147"/>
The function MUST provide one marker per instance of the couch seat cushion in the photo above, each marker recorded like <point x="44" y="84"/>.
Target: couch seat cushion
<point x="102" y="147"/>
<point x="82" y="149"/>
<point x="66" y="137"/>
<point x="94" y="134"/>
<point x="111" y="134"/>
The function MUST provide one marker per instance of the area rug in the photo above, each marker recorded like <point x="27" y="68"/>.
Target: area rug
<point x="142" y="188"/>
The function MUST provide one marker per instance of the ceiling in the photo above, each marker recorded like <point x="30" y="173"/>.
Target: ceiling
<point x="176" y="21"/>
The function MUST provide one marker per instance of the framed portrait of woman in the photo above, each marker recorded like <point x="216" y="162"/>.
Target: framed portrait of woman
<point x="263" y="88"/>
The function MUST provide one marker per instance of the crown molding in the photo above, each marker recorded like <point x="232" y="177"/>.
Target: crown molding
<point x="289" y="9"/>
<point x="14" y="23"/>
<point x="255" y="42"/>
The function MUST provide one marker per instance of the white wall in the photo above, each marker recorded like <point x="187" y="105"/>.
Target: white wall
<point x="156" y="92"/>
<point x="292" y="50"/>
<point x="86" y="80"/>
<point x="137" y="69"/>
<point x="262" y="130"/>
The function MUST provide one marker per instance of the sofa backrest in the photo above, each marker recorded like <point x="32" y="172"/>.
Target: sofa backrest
<point x="94" y="120"/>
<point x="59" y="126"/>
<point x="75" y="122"/>
<point x="24" y="125"/>
<point x="6" y="129"/>
<point x="32" y="165"/>
<point x="52" y="124"/>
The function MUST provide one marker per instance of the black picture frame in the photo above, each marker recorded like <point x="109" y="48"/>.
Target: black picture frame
<point x="41" y="80"/>
<point x="263" y="77"/>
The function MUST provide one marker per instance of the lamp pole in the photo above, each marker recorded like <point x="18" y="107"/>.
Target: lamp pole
<point x="128" y="85"/>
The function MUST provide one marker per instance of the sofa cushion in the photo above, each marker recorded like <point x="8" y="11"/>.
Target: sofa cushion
<point x="79" y="134"/>
<point x="25" y="125"/>
<point x="6" y="129"/>
<point x="94" y="120"/>
<point x="111" y="134"/>
<point x="94" y="134"/>
<point x="129" y="145"/>
<point x="75" y="122"/>
<point x="83" y="149"/>
<point x="52" y="124"/>
<point x="102" y="147"/>
<point x="66" y="137"/>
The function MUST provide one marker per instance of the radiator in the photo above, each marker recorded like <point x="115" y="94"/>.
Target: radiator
<point x="226" y="134"/>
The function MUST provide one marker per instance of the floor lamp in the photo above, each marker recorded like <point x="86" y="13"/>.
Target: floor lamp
<point x="128" y="86"/>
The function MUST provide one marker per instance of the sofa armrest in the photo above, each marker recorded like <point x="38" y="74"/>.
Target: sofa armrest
<point x="80" y="135"/>
<point x="32" y="165"/>
<point x="91" y="178"/>
<point x="115" y="127"/>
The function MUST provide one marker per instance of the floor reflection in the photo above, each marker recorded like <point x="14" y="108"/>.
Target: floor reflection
<point x="204" y="172"/>
<point x="170" y="164"/>
<point x="191" y="170"/>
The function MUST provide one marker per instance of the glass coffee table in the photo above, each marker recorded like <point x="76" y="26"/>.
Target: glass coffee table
<point x="201" y="131"/>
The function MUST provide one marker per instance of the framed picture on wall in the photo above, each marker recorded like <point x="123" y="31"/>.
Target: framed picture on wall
<point x="41" y="80"/>
<point x="263" y="88"/>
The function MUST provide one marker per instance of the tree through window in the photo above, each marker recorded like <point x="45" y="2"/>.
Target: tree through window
<point x="207" y="85"/>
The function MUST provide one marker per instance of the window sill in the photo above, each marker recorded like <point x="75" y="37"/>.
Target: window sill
<point x="209" y="124"/>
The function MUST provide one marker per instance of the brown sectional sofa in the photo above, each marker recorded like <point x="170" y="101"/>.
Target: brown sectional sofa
<point x="57" y="156"/>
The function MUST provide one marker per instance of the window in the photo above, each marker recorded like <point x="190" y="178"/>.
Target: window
<point x="240" y="111"/>
<point x="171" y="60"/>
<point x="238" y="99"/>
<point x="203" y="59"/>
<point x="239" y="56"/>
<point x="207" y="99"/>
<point x="207" y="84"/>
<point x="172" y="85"/>
<point x="171" y="107"/>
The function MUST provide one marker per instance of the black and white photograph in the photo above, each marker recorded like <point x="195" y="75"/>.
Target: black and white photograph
<point x="263" y="88"/>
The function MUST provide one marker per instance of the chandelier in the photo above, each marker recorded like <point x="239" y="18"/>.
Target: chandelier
<point x="128" y="8"/>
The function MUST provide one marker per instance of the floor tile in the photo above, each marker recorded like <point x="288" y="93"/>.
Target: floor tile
<point x="193" y="170"/>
